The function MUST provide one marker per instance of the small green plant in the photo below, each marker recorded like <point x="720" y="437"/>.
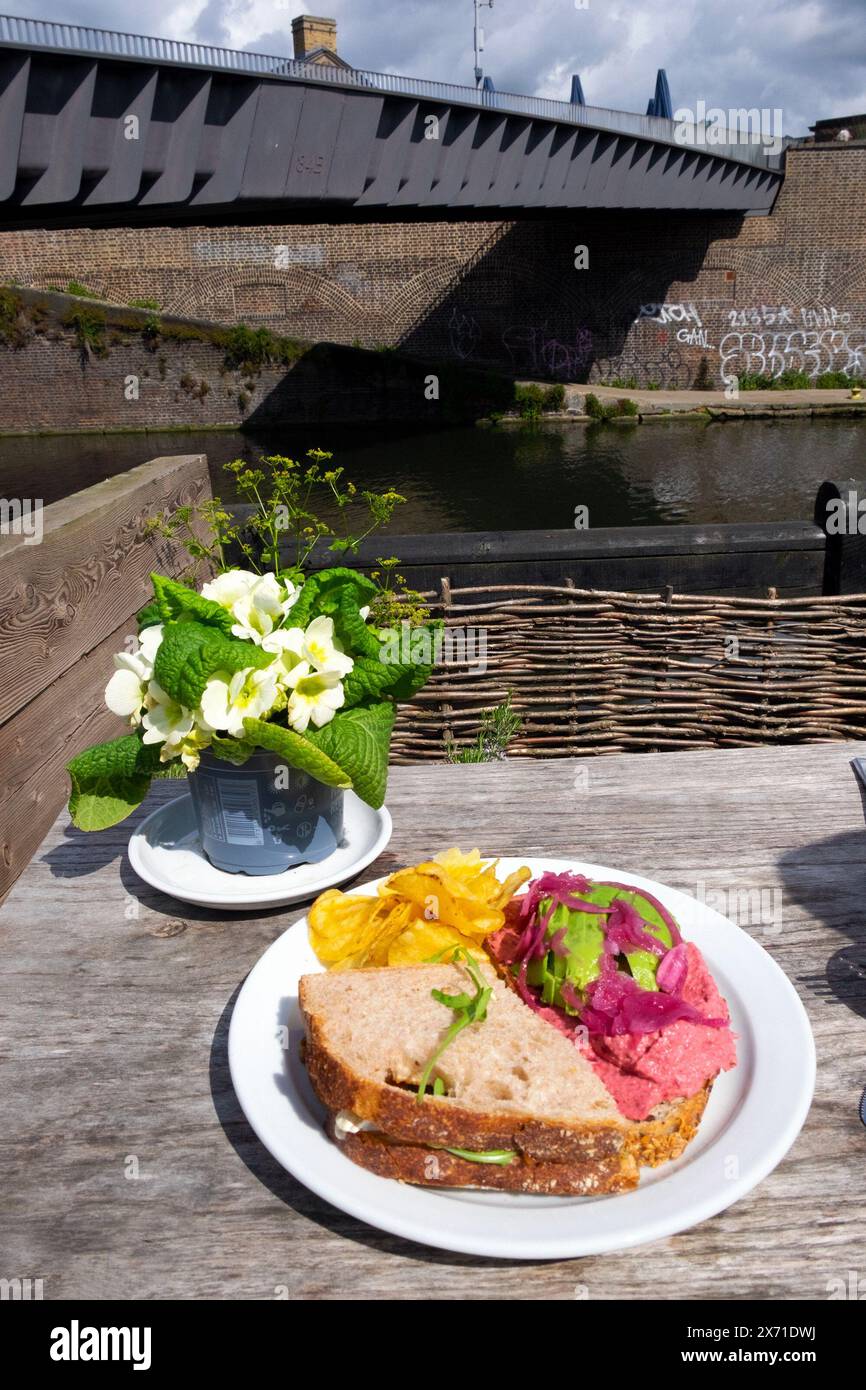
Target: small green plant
<point x="532" y="400"/>
<point x="653" y="386"/>
<point x="498" y="727"/>
<point x="837" y="381"/>
<point x="144" y="304"/>
<point x="284" y="494"/>
<point x="250" y="350"/>
<point x="88" y="329"/>
<point x="612" y="410"/>
<point x="627" y="383"/>
<point x="243" y="401"/>
<point x="76" y="288"/>
<point x="791" y="380"/>
<point x="396" y="602"/>
<point x="13" y="328"/>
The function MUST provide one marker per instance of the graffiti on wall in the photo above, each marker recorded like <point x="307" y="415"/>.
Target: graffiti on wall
<point x="812" y="340"/>
<point x="691" y="331"/>
<point x="533" y="349"/>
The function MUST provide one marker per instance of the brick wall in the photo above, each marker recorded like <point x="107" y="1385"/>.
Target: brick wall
<point x="663" y="292"/>
<point x="54" y="378"/>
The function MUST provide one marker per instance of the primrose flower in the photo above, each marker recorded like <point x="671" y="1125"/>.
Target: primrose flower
<point x="315" y="696"/>
<point x="263" y="608"/>
<point x="287" y="644"/>
<point x="165" y="722"/>
<point x="322" y="650"/>
<point x="257" y="602"/>
<point x="227" y="589"/>
<point x="190" y="749"/>
<point x="248" y="694"/>
<point x="126" y="691"/>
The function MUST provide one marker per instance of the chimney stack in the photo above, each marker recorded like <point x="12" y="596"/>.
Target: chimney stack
<point x="310" y="32"/>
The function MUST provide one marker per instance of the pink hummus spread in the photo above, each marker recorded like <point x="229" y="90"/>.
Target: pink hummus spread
<point x="641" y="1070"/>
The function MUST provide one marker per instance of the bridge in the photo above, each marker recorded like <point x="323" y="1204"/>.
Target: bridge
<point x="102" y="128"/>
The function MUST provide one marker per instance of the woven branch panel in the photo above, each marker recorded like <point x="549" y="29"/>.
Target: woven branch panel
<point x="593" y="672"/>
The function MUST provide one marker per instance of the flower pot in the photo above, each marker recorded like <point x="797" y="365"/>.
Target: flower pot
<point x="263" y="817"/>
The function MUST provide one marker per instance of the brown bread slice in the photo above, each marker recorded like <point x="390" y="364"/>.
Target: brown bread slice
<point x="414" y="1163"/>
<point x="512" y="1081"/>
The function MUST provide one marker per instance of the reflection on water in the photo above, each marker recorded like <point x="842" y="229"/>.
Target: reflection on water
<point x="471" y="479"/>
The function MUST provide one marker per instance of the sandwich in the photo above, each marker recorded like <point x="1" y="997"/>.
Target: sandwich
<point x="416" y="1093"/>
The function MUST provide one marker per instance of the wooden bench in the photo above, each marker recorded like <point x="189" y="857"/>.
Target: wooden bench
<point x="67" y="605"/>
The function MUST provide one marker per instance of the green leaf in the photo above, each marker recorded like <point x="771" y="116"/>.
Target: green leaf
<point x="358" y="741"/>
<point x="149" y="615"/>
<point x="318" y="593"/>
<point x="190" y="653"/>
<point x="174" y="600"/>
<point x="231" y="750"/>
<point x="297" y="750"/>
<point x="110" y="780"/>
<point x="396" y="670"/>
<point x="356" y="637"/>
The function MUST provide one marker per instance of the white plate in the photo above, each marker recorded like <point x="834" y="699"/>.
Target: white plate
<point x="166" y="852"/>
<point x="754" y="1115"/>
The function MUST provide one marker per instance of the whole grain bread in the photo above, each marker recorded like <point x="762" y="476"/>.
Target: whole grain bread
<point x="512" y="1082"/>
<point x="428" y="1167"/>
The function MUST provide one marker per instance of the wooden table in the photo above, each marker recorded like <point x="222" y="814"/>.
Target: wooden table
<point x="128" y="1167"/>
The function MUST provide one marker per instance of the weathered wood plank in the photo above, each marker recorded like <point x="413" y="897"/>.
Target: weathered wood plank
<point x="60" y="599"/>
<point x="37" y="743"/>
<point x="743" y="558"/>
<point x="66" y="605"/>
<point x="117" y="1000"/>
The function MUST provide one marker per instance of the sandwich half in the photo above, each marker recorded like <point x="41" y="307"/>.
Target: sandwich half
<point x="508" y="1103"/>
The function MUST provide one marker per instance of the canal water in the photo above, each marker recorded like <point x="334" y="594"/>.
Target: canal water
<point x="507" y="478"/>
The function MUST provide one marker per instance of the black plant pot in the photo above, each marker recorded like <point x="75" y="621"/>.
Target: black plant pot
<point x="263" y="817"/>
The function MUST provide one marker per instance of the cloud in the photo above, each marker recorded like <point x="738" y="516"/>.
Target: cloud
<point x="807" y="57"/>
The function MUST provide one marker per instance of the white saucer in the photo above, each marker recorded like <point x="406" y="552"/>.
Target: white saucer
<point x="166" y="852"/>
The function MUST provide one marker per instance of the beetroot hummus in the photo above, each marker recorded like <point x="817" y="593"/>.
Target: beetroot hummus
<point x="642" y="1070"/>
<point x="606" y="963"/>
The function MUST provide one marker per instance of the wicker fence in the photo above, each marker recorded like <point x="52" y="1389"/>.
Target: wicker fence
<point x="597" y="672"/>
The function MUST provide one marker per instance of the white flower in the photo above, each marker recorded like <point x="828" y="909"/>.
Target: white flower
<point x="365" y="611"/>
<point x="287" y="644"/>
<point x="126" y="691"/>
<point x="248" y="694"/>
<point x="228" y="588"/>
<point x="321" y="649"/>
<point x="257" y="602"/>
<point x="316" y="696"/>
<point x="165" y="721"/>
<point x="191" y="747"/>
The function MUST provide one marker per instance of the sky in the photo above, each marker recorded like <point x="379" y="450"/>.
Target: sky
<point x="803" y="58"/>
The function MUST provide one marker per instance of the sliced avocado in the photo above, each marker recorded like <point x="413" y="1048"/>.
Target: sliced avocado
<point x="584" y="941"/>
<point x="642" y="964"/>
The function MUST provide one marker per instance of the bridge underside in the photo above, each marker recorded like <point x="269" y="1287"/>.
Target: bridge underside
<point x="87" y="141"/>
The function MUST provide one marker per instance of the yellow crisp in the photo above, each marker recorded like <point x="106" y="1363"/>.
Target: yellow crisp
<point x="422" y="941"/>
<point x="452" y="900"/>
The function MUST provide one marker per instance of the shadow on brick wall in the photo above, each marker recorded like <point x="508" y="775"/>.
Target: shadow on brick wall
<point x="563" y="301"/>
<point x="333" y="384"/>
